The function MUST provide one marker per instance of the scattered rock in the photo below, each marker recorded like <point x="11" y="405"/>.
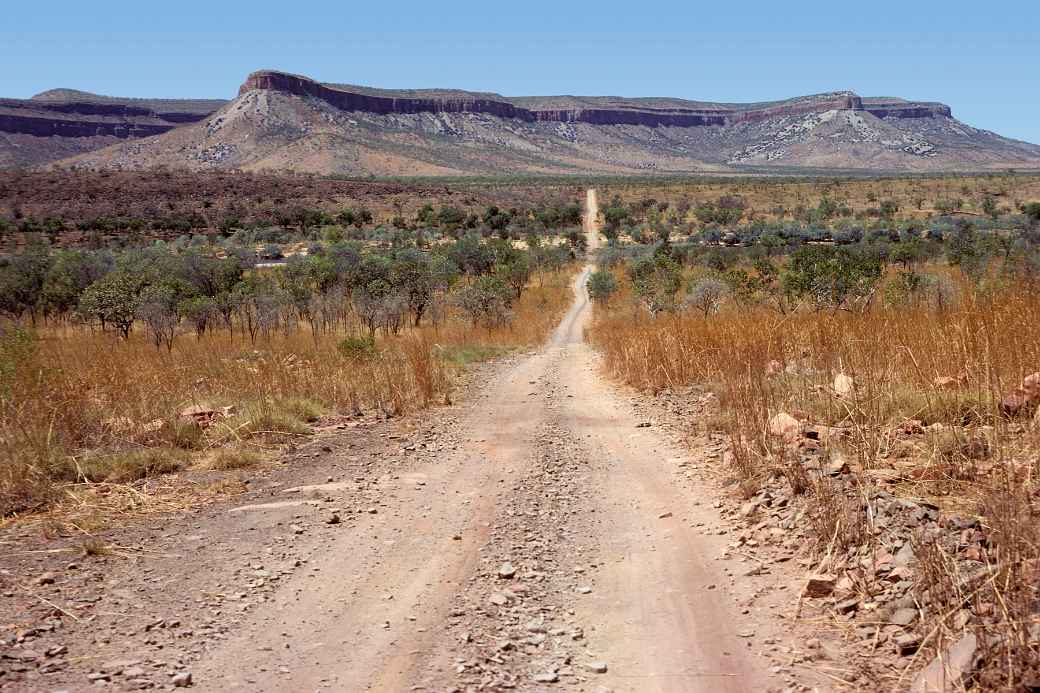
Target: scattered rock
<point x="818" y="586"/>
<point x="907" y="643"/>
<point x="947" y="671"/>
<point x="847" y="606"/>
<point x="1024" y="399"/>
<point x="597" y="667"/>
<point x="905" y="555"/>
<point x="785" y="426"/>
<point x="903" y="617"/>
<point x="844" y="386"/>
<point x="506" y="571"/>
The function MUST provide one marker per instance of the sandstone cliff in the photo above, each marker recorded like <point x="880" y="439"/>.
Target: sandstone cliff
<point x="73" y="121"/>
<point x="283" y="121"/>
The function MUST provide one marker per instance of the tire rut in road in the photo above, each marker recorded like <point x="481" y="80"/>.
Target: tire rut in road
<point x="513" y="626"/>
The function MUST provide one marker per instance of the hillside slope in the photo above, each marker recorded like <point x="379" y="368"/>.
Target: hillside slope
<point x="282" y="121"/>
<point x="63" y="122"/>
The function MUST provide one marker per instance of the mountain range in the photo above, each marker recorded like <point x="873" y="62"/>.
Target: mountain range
<point x="280" y="121"/>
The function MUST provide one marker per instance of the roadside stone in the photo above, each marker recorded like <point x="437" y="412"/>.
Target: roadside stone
<point x="818" y="586"/>
<point x="947" y="671"/>
<point x="548" y="677"/>
<point x="785" y="426"/>
<point x="597" y="667"/>
<point x="905" y="555"/>
<point x="847" y="606"/>
<point x="903" y="617"/>
<point x="907" y="644"/>
<point x="843" y="385"/>
<point x="181" y="680"/>
<point x="498" y="599"/>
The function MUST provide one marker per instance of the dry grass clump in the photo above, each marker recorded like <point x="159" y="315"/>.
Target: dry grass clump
<point x="80" y="406"/>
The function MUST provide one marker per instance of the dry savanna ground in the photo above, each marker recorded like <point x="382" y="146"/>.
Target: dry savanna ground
<point x="888" y="445"/>
<point x="88" y="420"/>
<point x="893" y="426"/>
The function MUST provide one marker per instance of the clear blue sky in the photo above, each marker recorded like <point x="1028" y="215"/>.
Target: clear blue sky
<point x="984" y="61"/>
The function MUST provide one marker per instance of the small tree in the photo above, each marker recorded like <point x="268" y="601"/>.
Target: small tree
<point x="602" y="286"/>
<point x="832" y="277"/>
<point x="157" y="308"/>
<point x="112" y="300"/>
<point x="486" y="301"/>
<point x="517" y="274"/>
<point x="706" y="295"/>
<point x="656" y="280"/>
<point x="200" y="312"/>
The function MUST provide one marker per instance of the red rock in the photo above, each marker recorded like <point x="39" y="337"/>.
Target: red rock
<point x="819" y="586"/>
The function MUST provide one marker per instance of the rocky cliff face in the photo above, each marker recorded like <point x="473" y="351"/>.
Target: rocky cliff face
<point x="76" y="121"/>
<point x="282" y="121"/>
<point x="632" y="112"/>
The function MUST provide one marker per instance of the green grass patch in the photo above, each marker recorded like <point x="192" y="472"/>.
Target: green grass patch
<point x="463" y="355"/>
<point x="122" y="467"/>
<point x="228" y="458"/>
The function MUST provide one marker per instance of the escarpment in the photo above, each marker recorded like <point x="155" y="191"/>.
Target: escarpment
<point x="281" y="121"/>
<point x="61" y="122"/>
<point x="565" y="109"/>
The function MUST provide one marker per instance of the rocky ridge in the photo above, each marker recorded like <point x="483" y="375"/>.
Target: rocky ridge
<point x="594" y="110"/>
<point x="68" y="121"/>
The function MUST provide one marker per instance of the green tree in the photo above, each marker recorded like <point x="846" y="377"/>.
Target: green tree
<point x="602" y="286"/>
<point x="69" y="274"/>
<point x="516" y="274"/>
<point x="487" y="302"/>
<point x="832" y="277"/>
<point x="113" y="300"/>
<point x="655" y="281"/>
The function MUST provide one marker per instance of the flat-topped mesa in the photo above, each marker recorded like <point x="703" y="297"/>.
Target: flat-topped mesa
<point x="70" y="113"/>
<point x="883" y="107"/>
<point x="563" y="109"/>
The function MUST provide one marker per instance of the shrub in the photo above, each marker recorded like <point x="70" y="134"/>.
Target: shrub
<point x="357" y="348"/>
<point x="602" y="286"/>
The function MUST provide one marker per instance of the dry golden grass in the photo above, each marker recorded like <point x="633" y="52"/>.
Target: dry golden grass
<point x="965" y="455"/>
<point x="91" y="407"/>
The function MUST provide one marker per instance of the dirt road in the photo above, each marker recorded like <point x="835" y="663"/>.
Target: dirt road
<point x="536" y="538"/>
<point x="546" y="552"/>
